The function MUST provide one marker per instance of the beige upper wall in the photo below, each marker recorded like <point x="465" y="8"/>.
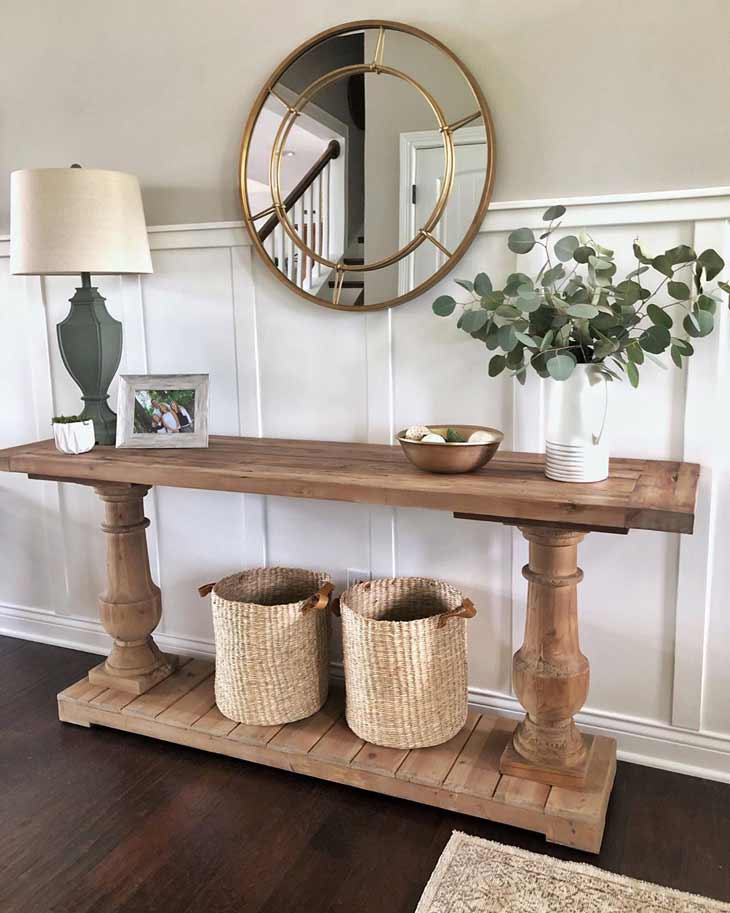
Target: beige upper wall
<point x="588" y="97"/>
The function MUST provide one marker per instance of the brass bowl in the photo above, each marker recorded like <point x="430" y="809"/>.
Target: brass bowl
<point x="447" y="457"/>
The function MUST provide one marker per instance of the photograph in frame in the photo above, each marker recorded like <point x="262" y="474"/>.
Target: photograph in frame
<point x="162" y="410"/>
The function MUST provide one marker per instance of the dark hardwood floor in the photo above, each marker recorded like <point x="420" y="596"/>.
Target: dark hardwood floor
<point x="96" y="820"/>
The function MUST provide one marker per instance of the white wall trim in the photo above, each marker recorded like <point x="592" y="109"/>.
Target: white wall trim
<point x="705" y="202"/>
<point x="695" y="565"/>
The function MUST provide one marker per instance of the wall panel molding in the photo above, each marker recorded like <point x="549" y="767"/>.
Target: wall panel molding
<point x="660" y="606"/>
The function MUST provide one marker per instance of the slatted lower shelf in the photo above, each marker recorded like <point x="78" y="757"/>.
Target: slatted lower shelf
<point x="462" y="775"/>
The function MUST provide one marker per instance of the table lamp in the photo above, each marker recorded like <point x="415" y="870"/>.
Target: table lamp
<point x="81" y="221"/>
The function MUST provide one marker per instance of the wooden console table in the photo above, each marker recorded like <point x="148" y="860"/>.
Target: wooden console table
<point x="542" y="774"/>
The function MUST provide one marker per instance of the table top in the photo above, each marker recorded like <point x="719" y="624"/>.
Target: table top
<point x="512" y="488"/>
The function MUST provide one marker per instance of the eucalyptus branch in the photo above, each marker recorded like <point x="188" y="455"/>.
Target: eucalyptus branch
<point x="600" y="323"/>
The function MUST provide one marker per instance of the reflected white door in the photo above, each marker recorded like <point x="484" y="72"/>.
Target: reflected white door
<point x="427" y="170"/>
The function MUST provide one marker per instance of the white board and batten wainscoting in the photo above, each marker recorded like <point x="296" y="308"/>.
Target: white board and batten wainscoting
<point x="655" y="622"/>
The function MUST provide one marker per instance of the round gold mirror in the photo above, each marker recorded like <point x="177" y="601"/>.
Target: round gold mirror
<point x="367" y="165"/>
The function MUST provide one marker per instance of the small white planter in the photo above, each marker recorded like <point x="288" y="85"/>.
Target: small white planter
<point x="576" y="444"/>
<point x="74" y="437"/>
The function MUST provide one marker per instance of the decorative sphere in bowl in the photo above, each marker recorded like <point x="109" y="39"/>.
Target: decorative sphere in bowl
<point x="434" y="453"/>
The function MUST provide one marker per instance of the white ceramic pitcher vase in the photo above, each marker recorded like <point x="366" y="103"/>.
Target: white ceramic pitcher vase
<point x="576" y="444"/>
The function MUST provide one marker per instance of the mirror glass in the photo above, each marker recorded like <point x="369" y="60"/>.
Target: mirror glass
<point x="367" y="165"/>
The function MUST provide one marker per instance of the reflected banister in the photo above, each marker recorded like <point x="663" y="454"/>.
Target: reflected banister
<point x="331" y="152"/>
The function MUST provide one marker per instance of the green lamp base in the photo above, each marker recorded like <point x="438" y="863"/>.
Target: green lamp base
<point x="90" y="340"/>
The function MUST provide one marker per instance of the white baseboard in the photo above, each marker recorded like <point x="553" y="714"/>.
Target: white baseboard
<point x="653" y="744"/>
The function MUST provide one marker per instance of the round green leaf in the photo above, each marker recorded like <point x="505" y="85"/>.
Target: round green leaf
<point x="552" y="213"/>
<point x="465" y="283"/>
<point x="681" y="254"/>
<point x="560" y="367"/>
<point x="676" y="356"/>
<point x="628" y="291"/>
<point x="507" y="337"/>
<point x="490" y="339"/>
<point x="482" y="285"/>
<point x="663" y="264"/>
<point x="507" y="310"/>
<point x="582" y="311"/>
<point x="474" y="320"/>
<point x="444" y="306"/>
<point x="528" y="305"/>
<point x="496" y="365"/>
<point x="514" y="281"/>
<point x="632" y="372"/>
<point x="547" y="340"/>
<point x="655" y="340"/>
<point x="582" y="254"/>
<point x="521" y="241"/>
<point x="515" y="357"/>
<point x="712" y="262"/>
<point x="565" y="247"/>
<point x="635" y="353"/>
<point x="599" y="263"/>
<point x="684" y="346"/>
<point x="550" y="276"/>
<point x="658" y="317"/>
<point x="705" y="303"/>
<point x="527" y="340"/>
<point x="699" y="323"/>
<point x="678" y="290"/>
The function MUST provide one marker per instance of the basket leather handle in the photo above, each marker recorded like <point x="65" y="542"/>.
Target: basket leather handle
<point x="205" y="589"/>
<point x="465" y="610"/>
<point x="320" y="599"/>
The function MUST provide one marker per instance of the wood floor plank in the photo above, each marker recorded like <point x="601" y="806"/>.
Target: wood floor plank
<point x="379" y="760"/>
<point x="303" y="735"/>
<point x="254" y="735"/>
<point x="159" y="698"/>
<point x="592" y="799"/>
<point x="214" y="723"/>
<point x="339" y="745"/>
<point x="430" y="766"/>
<point x="111" y="699"/>
<point x="82" y="691"/>
<point x="476" y="770"/>
<point x="192" y="706"/>
<point x="517" y="791"/>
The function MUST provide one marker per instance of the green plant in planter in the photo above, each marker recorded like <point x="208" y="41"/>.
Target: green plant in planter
<point x="576" y="311"/>
<point x="66" y="419"/>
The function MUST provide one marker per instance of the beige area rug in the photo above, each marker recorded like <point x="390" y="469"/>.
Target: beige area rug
<point x="478" y="876"/>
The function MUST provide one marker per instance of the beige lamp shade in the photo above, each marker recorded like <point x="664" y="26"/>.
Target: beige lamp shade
<point x="67" y="221"/>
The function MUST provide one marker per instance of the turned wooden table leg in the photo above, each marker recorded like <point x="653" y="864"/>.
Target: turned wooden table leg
<point x="550" y="674"/>
<point x="130" y="608"/>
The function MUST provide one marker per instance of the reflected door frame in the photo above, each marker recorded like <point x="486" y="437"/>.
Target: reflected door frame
<point x="411" y="144"/>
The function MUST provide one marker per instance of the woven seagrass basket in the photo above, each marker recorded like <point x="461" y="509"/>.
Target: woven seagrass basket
<point x="271" y="643"/>
<point x="404" y="647"/>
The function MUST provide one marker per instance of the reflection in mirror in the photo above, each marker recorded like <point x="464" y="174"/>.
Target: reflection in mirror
<point x="366" y="166"/>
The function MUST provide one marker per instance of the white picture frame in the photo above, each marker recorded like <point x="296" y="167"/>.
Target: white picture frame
<point x="144" y="402"/>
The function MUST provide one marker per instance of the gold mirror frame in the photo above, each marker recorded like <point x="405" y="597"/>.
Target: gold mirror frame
<point x="446" y="130"/>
